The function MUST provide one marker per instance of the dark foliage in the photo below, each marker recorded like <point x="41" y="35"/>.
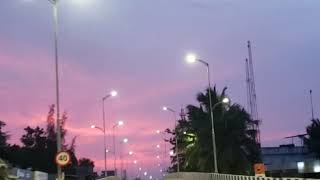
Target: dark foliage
<point x="237" y="150"/>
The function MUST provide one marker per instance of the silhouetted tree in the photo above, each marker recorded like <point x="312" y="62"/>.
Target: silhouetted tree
<point x="3" y="141"/>
<point x="237" y="150"/>
<point x="3" y="135"/>
<point x="313" y="139"/>
<point x="39" y="147"/>
<point x="86" y="162"/>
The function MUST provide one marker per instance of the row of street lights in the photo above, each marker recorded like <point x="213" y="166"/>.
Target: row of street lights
<point x="190" y="58"/>
<point x="113" y="93"/>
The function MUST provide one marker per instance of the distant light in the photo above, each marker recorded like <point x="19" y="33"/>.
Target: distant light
<point x="159" y="164"/>
<point x="107" y="150"/>
<point x="130" y="152"/>
<point x="93" y="126"/>
<point x="125" y="140"/>
<point x="135" y="162"/>
<point x="120" y="123"/>
<point x="300" y="165"/>
<point x="316" y="168"/>
<point x="191" y="58"/>
<point x="225" y="100"/>
<point x="158" y="131"/>
<point x="145" y="173"/>
<point x="165" y="108"/>
<point x="158" y="146"/>
<point x="171" y="153"/>
<point x="140" y="168"/>
<point x="113" y="93"/>
<point x="160" y="170"/>
<point x="158" y="157"/>
<point x="184" y="132"/>
<point x="150" y="177"/>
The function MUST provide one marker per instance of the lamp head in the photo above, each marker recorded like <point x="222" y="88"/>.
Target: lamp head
<point x="226" y="100"/>
<point x="120" y="123"/>
<point x="191" y="58"/>
<point x="113" y="93"/>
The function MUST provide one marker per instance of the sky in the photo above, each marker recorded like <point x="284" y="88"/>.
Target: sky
<point x="138" y="48"/>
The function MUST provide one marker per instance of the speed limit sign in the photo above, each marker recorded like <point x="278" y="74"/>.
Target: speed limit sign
<point x="63" y="158"/>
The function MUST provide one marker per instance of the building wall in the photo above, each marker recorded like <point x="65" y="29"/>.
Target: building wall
<point x="284" y="159"/>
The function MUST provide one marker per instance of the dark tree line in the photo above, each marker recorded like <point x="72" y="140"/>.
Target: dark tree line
<point x="39" y="147"/>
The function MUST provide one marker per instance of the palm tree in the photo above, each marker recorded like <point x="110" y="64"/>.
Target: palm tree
<point x="237" y="150"/>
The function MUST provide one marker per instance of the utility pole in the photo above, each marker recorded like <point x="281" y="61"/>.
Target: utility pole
<point x="311" y="103"/>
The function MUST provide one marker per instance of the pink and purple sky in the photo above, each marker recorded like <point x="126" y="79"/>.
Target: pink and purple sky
<point x="137" y="47"/>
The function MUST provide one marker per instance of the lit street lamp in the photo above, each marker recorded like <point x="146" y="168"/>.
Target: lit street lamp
<point x="119" y="123"/>
<point x="124" y="141"/>
<point x="175" y="125"/>
<point x="225" y="100"/>
<point x="171" y="153"/>
<point x="105" y="150"/>
<point x="164" y="153"/>
<point x="192" y="58"/>
<point x="56" y="57"/>
<point x="54" y="4"/>
<point x="111" y="94"/>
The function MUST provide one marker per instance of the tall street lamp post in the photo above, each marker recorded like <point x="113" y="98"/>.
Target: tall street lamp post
<point x="104" y="145"/>
<point x="192" y="58"/>
<point x="111" y="94"/>
<point x="58" y="126"/>
<point x="124" y="141"/>
<point x="164" y="153"/>
<point x="120" y="123"/>
<point x="176" y="132"/>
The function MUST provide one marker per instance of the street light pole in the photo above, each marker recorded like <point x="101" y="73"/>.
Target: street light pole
<point x="58" y="126"/>
<point x="104" y="137"/>
<point x="176" y="132"/>
<point x="114" y="150"/>
<point x="191" y="58"/>
<point x="212" y="123"/>
<point x="111" y="94"/>
<point x="164" y="153"/>
<point x="120" y="123"/>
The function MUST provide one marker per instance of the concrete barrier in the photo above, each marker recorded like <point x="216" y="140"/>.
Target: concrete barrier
<point x="213" y="176"/>
<point x="110" y="178"/>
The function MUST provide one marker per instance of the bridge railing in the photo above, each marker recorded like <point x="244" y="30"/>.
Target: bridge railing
<point x="213" y="176"/>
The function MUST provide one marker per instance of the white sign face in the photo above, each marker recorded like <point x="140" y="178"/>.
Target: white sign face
<point x="63" y="158"/>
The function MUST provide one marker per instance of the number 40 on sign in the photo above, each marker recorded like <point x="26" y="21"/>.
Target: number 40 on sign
<point x="63" y="158"/>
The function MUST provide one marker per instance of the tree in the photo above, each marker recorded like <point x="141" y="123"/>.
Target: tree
<point x="3" y="135"/>
<point x="3" y="140"/>
<point x="34" y="138"/>
<point x="313" y="139"/>
<point x="86" y="162"/>
<point x="39" y="147"/>
<point x="237" y="150"/>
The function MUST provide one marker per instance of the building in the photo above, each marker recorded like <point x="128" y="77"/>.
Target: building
<point x="289" y="160"/>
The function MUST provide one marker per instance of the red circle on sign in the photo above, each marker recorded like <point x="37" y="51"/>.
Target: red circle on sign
<point x="63" y="158"/>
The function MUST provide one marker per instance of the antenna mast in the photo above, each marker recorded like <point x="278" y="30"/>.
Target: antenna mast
<point x="311" y="103"/>
<point x="251" y="95"/>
